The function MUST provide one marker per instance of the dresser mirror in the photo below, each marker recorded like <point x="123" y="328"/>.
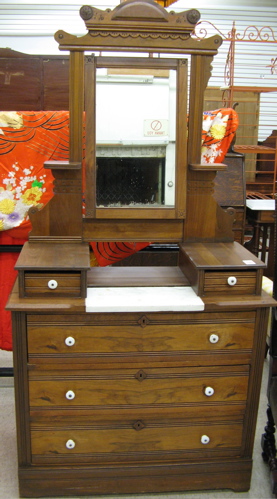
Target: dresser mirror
<point x="135" y="166"/>
<point x="135" y="146"/>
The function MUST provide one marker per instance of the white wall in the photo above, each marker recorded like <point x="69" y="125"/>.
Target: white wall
<point x="123" y="108"/>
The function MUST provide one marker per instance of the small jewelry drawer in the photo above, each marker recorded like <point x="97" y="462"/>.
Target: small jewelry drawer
<point x="54" y="283"/>
<point x="221" y="269"/>
<point x="237" y="282"/>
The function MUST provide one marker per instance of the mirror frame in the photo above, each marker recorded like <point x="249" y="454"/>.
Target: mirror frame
<point x="140" y="26"/>
<point x="127" y="212"/>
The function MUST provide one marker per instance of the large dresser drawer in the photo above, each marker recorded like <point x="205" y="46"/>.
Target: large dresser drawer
<point x="50" y="338"/>
<point x="132" y="440"/>
<point x="143" y="387"/>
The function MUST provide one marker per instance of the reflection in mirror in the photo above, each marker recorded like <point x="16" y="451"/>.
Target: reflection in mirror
<point x="135" y="141"/>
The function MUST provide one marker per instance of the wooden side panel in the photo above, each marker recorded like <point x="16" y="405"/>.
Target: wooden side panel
<point x="21" y="388"/>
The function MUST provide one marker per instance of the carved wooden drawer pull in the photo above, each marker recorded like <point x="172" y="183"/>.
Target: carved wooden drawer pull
<point x="70" y="395"/>
<point x="214" y="338"/>
<point x="209" y="391"/>
<point x="52" y="284"/>
<point x="205" y="439"/>
<point x="70" y="444"/>
<point x="69" y="341"/>
<point x="232" y="280"/>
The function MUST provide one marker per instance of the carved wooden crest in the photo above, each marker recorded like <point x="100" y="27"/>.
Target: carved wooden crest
<point x="139" y="14"/>
<point x="135" y="24"/>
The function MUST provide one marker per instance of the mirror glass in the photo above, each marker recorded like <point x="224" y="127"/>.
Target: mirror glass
<point x="135" y="137"/>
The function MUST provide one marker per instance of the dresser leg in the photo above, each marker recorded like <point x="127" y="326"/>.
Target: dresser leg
<point x="269" y="449"/>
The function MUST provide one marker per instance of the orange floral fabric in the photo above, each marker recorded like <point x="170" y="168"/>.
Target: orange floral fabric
<point x="27" y="140"/>
<point x="218" y="131"/>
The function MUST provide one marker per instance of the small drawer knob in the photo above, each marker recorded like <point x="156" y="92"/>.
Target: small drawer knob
<point x="232" y="280"/>
<point x="69" y="341"/>
<point x="70" y="395"/>
<point x="70" y="444"/>
<point x="205" y="439"/>
<point x="214" y="338"/>
<point x="209" y="391"/>
<point x="52" y="284"/>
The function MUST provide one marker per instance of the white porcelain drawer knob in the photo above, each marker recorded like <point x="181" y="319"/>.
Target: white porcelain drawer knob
<point x="214" y="338"/>
<point x="209" y="391"/>
<point x="205" y="439"/>
<point x="69" y="341"/>
<point x="232" y="280"/>
<point x="52" y="284"/>
<point x="70" y="444"/>
<point x="70" y="395"/>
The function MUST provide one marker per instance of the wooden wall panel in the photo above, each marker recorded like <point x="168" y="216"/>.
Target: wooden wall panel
<point x="56" y="85"/>
<point x="33" y="83"/>
<point x="20" y="84"/>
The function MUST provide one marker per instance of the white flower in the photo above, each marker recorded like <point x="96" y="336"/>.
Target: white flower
<point x="22" y="208"/>
<point x="219" y="120"/>
<point x="6" y="195"/>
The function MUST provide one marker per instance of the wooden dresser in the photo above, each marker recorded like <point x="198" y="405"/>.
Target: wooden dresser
<point x="140" y="402"/>
<point x="143" y="379"/>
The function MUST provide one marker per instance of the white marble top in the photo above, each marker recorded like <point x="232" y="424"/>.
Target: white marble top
<point x="143" y="299"/>
<point x="260" y="204"/>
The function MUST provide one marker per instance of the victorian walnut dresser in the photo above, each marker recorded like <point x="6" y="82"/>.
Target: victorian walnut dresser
<point x="133" y="380"/>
